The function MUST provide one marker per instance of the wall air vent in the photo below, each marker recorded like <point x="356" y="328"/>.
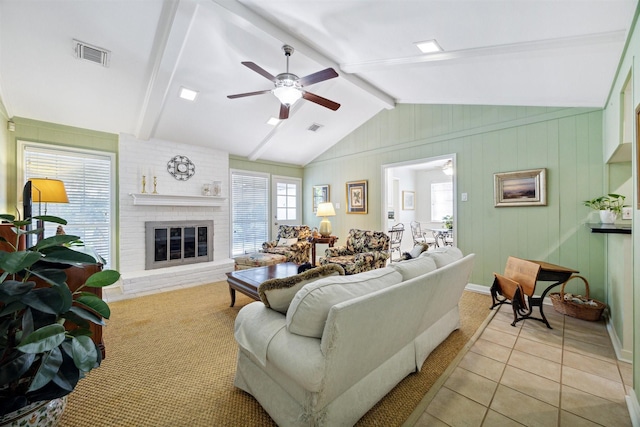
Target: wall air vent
<point x="91" y="53"/>
<point x="314" y="127"/>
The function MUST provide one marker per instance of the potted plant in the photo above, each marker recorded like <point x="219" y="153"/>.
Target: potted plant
<point x="447" y="222"/>
<point x="45" y="347"/>
<point x="610" y="206"/>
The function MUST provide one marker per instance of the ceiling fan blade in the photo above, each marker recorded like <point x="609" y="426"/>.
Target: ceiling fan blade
<point x="258" y="69"/>
<point x="321" y="101"/>
<point x="325" y="74"/>
<point x="241" y="95"/>
<point x="284" y="111"/>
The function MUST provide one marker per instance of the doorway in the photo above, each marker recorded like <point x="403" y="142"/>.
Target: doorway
<point x="286" y="200"/>
<point x="421" y="190"/>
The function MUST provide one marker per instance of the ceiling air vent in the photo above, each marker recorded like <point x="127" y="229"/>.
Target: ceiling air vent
<point x="314" y="127"/>
<point x="91" y="53"/>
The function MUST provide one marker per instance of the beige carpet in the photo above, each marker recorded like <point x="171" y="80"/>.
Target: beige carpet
<point x="171" y="361"/>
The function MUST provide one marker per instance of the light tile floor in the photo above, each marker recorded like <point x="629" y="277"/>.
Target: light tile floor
<point x="533" y="376"/>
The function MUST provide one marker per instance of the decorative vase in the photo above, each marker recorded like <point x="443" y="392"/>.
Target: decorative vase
<point x="46" y="413"/>
<point x="607" y="217"/>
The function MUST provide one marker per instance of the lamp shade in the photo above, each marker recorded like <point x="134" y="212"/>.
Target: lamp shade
<point x="326" y="209"/>
<point x="45" y="190"/>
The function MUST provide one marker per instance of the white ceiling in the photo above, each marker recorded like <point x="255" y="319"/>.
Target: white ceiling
<point x="510" y="52"/>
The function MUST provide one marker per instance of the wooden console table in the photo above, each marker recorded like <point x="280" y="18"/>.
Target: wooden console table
<point x="330" y="240"/>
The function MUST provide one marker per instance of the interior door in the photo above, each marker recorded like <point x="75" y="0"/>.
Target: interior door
<point x="286" y="196"/>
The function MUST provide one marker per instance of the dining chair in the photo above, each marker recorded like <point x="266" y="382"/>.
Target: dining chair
<point x="395" y="240"/>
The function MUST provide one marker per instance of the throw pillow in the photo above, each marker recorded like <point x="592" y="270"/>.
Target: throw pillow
<point x="414" y="267"/>
<point x="310" y="307"/>
<point x="444" y="256"/>
<point x="287" y="242"/>
<point x="418" y="249"/>
<point x="278" y="293"/>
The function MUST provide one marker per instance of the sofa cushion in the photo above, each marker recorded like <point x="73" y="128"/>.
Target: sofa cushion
<point x="278" y="293"/>
<point x="310" y="307"/>
<point x="443" y="256"/>
<point x="414" y="267"/>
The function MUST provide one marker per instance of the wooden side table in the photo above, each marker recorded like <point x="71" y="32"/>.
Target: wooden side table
<point x="330" y="240"/>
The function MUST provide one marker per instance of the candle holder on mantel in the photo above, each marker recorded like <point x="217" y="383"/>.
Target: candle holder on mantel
<point x="155" y="185"/>
<point x="216" y="189"/>
<point x="144" y="184"/>
<point x="206" y="189"/>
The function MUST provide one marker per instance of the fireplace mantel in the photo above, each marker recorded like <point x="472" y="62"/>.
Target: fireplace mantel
<point x="149" y="199"/>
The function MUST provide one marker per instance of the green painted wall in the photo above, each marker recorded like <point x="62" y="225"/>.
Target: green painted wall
<point x="273" y="168"/>
<point x="486" y="140"/>
<point x="628" y="69"/>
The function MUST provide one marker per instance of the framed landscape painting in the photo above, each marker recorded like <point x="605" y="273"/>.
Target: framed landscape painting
<point x="357" y="197"/>
<point x="408" y="200"/>
<point x="521" y="188"/>
<point x="320" y="195"/>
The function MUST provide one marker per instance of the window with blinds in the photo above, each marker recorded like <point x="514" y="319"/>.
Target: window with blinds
<point x="87" y="177"/>
<point x="441" y="200"/>
<point x="249" y="211"/>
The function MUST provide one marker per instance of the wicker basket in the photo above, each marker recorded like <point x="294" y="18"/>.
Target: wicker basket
<point x="573" y="309"/>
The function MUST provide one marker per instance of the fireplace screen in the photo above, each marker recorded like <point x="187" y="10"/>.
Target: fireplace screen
<point x="178" y="242"/>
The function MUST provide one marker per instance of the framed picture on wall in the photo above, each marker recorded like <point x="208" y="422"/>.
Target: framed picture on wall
<point x="320" y="195"/>
<point x="520" y="188"/>
<point x="408" y="200"/>
<point x="357" y="197"/>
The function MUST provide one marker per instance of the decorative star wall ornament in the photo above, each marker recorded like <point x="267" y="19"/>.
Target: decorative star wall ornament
<point x="181" y="168"/>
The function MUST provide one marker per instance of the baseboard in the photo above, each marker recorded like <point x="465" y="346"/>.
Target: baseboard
<point x="622" y="354"/>
<point x="481" y="289"/>
<point x="634" y="408"/>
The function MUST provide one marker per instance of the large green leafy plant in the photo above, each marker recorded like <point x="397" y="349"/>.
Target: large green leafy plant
<point x="45" y="344"/>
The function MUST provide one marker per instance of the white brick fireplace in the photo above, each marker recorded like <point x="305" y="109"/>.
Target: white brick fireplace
<point x="177" y="200"/>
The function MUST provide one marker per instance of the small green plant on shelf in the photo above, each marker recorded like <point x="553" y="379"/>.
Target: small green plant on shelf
<point x="611" y="202"/>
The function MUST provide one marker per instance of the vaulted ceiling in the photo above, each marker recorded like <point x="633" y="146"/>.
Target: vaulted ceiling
<point x="509" y="52"/>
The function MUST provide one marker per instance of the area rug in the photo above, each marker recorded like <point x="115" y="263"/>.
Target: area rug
<point x="170" y="361"/>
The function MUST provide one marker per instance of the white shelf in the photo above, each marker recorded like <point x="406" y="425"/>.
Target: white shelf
<point x="149" y="199"/>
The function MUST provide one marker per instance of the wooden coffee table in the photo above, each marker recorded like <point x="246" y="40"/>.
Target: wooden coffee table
<point x="247" y="281"/>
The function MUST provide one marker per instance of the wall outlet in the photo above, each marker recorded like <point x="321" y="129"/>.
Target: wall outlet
<point x="626" y="213"/>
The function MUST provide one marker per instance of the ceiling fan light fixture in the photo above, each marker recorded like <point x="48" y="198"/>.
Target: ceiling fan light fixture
<point x="447" y="168"/>
<point x="188" y="94"/>
<point x="428" y="46"/>
<point x="287" y="95"/>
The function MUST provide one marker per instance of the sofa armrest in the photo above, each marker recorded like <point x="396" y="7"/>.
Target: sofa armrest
<point x="336" y="251"/>
<point x="301" y="246"/>
<point x="254" y="328"/>
<point x="269" y="245"/>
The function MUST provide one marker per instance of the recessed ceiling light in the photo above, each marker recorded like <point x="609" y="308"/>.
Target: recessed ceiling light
<point x="428" y="46"/>
<point x="273" y="121"/>
<point x="188" y="94"/>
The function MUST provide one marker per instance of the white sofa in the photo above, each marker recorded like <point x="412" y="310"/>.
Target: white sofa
<point x="346" y="341"/>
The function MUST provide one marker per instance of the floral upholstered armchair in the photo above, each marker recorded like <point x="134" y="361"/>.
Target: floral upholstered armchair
<point x="291" y="242"/>
<point x="364" y="250"/>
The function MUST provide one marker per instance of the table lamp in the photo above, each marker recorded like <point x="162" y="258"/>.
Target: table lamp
<point x="45" y="190"/>
<point x="325" y="210"/>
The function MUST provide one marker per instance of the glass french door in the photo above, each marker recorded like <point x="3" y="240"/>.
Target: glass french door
<point x="286" y="196"/>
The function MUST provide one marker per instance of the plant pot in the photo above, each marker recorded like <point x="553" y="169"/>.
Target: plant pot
<point x="37" y="414"/>
<point x="608" y="217"/>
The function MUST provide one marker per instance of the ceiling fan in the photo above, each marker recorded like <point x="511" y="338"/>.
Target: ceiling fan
<point x="289" y="87"/>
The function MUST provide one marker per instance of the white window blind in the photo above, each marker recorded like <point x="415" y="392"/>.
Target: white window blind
<point x="87" y="179"/>
<point x="441" y="200"/>
<point x="249" y="211"/>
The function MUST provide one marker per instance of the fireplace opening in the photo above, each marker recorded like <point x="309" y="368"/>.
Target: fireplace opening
<point x="170" y="243"/>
